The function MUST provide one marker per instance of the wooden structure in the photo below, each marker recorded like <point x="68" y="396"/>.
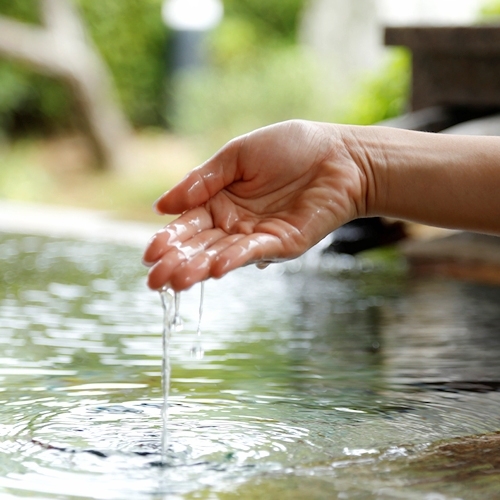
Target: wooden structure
<point x="455" y="89"/>
<point x="457" y="67"/>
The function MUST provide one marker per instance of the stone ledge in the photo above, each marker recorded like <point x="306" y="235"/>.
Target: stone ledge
<point x="465" y="256"/>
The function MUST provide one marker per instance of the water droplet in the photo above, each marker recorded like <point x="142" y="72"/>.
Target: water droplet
<point x="197" y="351"/>
<point x="177" y="322"/>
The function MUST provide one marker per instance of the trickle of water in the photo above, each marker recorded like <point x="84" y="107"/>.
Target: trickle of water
<point x="177" y="321"/>
<point x="197" y="348"/>
<point x="172" y="321"/>
<point x="169" y="312"/>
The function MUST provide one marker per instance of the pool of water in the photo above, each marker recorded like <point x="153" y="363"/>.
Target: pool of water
<point x="320" y="379"/>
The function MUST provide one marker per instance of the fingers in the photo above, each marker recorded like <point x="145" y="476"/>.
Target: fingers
<point x="247" y="250"/>
<point x="177" y="232"/>
<point x="185" y="274"/>
<point x="211" y="253"/>
<point x="202" y="183"/>
<point x="174" y="260"/>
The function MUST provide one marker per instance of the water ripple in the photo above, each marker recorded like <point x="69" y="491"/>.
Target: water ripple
<point x="310" y="372"/>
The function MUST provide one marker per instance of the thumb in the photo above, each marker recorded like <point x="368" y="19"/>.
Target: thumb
<point x="202" y="183"/>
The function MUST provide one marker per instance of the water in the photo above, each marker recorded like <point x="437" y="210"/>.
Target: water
<point x="197" y="348"/>
<point x="168" y="298"/>
<point x="177" y="323"/>
<point x="172" y="322"/>
<point x="353" y="381"/>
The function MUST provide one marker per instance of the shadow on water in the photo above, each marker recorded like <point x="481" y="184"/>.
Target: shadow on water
<point x="331" y="379"/>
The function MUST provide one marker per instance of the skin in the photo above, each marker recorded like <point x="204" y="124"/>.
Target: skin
<point x="271" y="194"/>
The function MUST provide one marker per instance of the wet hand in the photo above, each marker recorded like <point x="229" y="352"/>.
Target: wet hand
<point x="266" y="196"/>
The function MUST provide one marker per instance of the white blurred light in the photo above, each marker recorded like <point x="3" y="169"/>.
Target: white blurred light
<point x="429" y="11"/>
<point x="192" y="15"/>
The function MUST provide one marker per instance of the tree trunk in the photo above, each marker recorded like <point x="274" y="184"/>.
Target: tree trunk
<point x="61" y="49"/>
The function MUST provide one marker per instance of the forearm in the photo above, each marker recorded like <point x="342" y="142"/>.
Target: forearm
<point x="437" y="179"/>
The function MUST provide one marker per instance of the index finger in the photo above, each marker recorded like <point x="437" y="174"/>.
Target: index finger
<point x="203" y="182"/>
<point x="176" y="232"/>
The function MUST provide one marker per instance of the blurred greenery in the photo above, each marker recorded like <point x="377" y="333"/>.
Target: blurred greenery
<point x="130" y="36"/>
<point x="257" y="73"/>
<point x="133" y="41"/>
<point x="26" y="11"/>
<point x="20" y="177"/>
<point x="490" y="11"/>
<point x="271" y="18"/>
<point x="280" y="83"/>
<point x="383" y="94"/>
<point x="55" y="172"/>
<point x="224" y="102"/>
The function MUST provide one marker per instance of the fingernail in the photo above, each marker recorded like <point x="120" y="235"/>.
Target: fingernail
<point x="147" y="263"/>
<point x="262" y="265"/>
<point x="155" y="207"/>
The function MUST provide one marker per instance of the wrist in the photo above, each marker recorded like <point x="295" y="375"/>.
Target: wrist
<point x="364" y="147"/>
<point x="436" y="179"/>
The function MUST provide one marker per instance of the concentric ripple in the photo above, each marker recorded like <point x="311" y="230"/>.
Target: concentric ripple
<point x="312" y="376"/>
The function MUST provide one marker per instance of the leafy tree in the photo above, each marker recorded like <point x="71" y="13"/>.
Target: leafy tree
<point x="131" y="37"/>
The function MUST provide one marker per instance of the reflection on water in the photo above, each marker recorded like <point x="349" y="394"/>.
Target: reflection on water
<point x="318" y="383"/>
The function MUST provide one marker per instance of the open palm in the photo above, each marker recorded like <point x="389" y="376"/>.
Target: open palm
<point x="266" y="196"/>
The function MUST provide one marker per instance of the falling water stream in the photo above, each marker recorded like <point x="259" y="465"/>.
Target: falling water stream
<point x="172" y="321"/>
<point x="197" y="347"/>
<point x="167" y="299"/>
<point x="321" y="379"/>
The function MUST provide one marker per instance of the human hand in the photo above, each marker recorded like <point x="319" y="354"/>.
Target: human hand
<point x="266" y="196"/>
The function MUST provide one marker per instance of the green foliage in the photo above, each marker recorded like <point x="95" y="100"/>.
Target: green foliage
<point x="25" y="10"/>
<point x="384" y="94"/>
<point x="286" y="83"/>
<point x="227" y="101"/>
<point x="13" y="90"/>
<point x="131" y="38"/>
<point x="490" y="11"/>
<point x="235" y="42"/>
<point x="23" y="94"/>
<point x="271" y="18"/>
<point x="20" y="177"/>
<point x="258" y="73"/>
<point x="251" y="29"/>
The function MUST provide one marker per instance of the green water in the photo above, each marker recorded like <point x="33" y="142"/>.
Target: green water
<point x="317" y="381"/>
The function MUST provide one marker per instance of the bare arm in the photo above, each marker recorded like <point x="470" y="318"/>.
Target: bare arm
<point x="437" y="179"/>
<point x="272" y="194"/>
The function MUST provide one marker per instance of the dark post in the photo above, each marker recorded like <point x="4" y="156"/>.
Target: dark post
<point x="190" y="21"/>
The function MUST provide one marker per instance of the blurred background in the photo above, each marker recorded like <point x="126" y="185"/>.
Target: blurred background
<point x="106" y="104"/>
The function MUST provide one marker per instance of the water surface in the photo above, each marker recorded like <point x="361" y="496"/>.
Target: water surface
<point x="320" y="381"/>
